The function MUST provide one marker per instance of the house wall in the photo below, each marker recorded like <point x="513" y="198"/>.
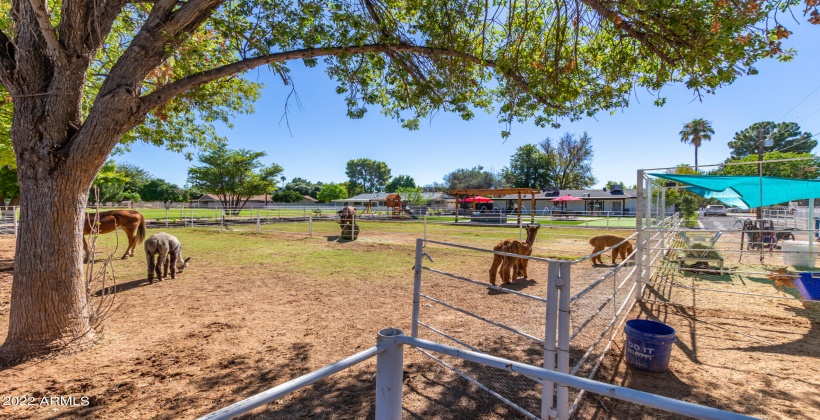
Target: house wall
<point x="540" y="205"/>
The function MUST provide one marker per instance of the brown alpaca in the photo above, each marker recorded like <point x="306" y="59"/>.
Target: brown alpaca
<point x="502" y="246"/>
<point x="604" y="241"/>
<point x="507" y="264"/>
<point x="519" y="265"/>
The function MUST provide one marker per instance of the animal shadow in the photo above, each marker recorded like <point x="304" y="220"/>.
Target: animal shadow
<point x="117" y="288"/>
<point x="517" y="285"/>
<point x="338" y="239"/>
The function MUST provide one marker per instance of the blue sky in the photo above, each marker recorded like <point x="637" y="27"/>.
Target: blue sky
<point x="320" y="139"/>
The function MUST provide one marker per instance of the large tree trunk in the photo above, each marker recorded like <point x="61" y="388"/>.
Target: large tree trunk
<point x="49" y="304"/>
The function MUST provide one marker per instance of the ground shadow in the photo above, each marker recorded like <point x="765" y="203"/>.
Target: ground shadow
<point x="517" y="285"/>
<point x="808" y="344"/>
<point x="117" y="288"/>
<point x="667" y="384"/>
<point x="244" y="375"/>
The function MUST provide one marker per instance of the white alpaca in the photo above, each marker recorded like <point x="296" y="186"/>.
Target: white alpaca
<point x="162" y="244"/>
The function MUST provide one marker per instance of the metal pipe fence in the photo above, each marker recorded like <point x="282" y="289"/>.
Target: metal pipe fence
<point x="9" y="218"/>
<point x="578" y="318"/>
<point x="389" y="390"/>
<point x="737" y="263"/>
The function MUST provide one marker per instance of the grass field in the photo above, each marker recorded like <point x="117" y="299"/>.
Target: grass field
<point x="216" y="214"/>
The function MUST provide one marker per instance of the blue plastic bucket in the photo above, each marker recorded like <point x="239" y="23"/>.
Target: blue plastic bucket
<point x="648" y="344"/>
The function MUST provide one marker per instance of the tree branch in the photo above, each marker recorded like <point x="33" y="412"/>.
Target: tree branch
<point x="169" y="91"/>
<point x="633" y="33"/>
<point x="190" y="15"/>
<point x="100" y="20"/>
<point x="48" y="31"/>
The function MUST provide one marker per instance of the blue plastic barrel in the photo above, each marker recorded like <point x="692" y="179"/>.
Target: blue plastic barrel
<point x="649" y="344"/>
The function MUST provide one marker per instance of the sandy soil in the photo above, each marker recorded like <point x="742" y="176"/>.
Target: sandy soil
<point x="182" y="348"/>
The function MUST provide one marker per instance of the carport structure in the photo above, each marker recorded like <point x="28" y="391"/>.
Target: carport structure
<point x="497" y="192"/>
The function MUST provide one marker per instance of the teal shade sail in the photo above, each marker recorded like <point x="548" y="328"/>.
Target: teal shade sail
<point x="745" y="191"/>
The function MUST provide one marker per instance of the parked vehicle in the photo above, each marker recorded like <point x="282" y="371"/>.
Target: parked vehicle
<point x="715" y="210"/>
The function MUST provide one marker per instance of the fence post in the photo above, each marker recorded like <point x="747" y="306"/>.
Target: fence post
<point x="389" y="367"/>
<point x="222" y="220"/>
<point x="648" y="236"/>
<point x="14" y="216"/>
<point x="310" y="225"/>
<point x="520" y="230"/>
<point x="548" y="389"/>
<point x="258" y="223"/>
<point x="563" y="336"/>
<point x="639" y="242"/>
<point x="425" y="229"/>
<point x="811" y="229"/>
<point x="414" y="329"/>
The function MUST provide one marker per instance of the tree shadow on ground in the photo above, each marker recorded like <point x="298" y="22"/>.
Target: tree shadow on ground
<point x="227" y="380"/>
<point x="7" y="264"/>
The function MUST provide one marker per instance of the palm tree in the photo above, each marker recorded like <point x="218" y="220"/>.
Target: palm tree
<point x="283" y="179"/>
<point x="695" y="132"/>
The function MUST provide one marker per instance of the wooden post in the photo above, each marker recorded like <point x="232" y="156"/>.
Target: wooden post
<point x="532" y="208"/>
<point x="458" y="207"/>
<point x="519" y="207"/>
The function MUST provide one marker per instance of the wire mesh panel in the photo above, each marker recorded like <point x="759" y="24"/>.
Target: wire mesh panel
<point x="467" y="312"/>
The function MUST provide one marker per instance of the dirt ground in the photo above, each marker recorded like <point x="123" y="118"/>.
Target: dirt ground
<point x="217" y="334"/>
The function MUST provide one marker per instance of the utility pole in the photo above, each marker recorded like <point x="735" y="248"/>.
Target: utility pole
<point x="760" y="170"/>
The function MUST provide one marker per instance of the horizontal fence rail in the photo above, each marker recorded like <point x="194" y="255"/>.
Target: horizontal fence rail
<point x="389" y="387"/>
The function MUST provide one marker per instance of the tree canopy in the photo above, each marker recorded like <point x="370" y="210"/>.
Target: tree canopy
<point x="330" y="192"/>
<point x="286" y="196"/>
<point x="470" y="178"/>
<point x="161" y="190"/>
<point x="570" y="161"/>
<point x="137" y="178"/>
<point x="785" y="136"/>
<point x="799" y="169"/>
<point x="233" y="175"/>
<point x="304" y="187"/>
<point x="9" y="188"/>
<point x="109" y="184"/>
<point x="400" y="182"/>
<point x="695" y="132"/>
<point x="366" y="175"/>
<point x="529" y="168"/>
<point x="412" y="195"/>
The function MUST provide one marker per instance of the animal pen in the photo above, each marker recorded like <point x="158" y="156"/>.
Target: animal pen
<point x="536" y="344"/>
<point x="545" y="346"/>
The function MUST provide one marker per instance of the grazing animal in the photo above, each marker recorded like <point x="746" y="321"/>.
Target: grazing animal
<point x="168" y="252"/>
<point x="604" y="241"/>
<point x="507" y="264"/>
<point x="347" y="215"/>
<point x="132" y="222"/>
<point x="520" y="264"/>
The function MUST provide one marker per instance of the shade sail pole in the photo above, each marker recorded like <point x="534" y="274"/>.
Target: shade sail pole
<point x="810" y="228"/>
